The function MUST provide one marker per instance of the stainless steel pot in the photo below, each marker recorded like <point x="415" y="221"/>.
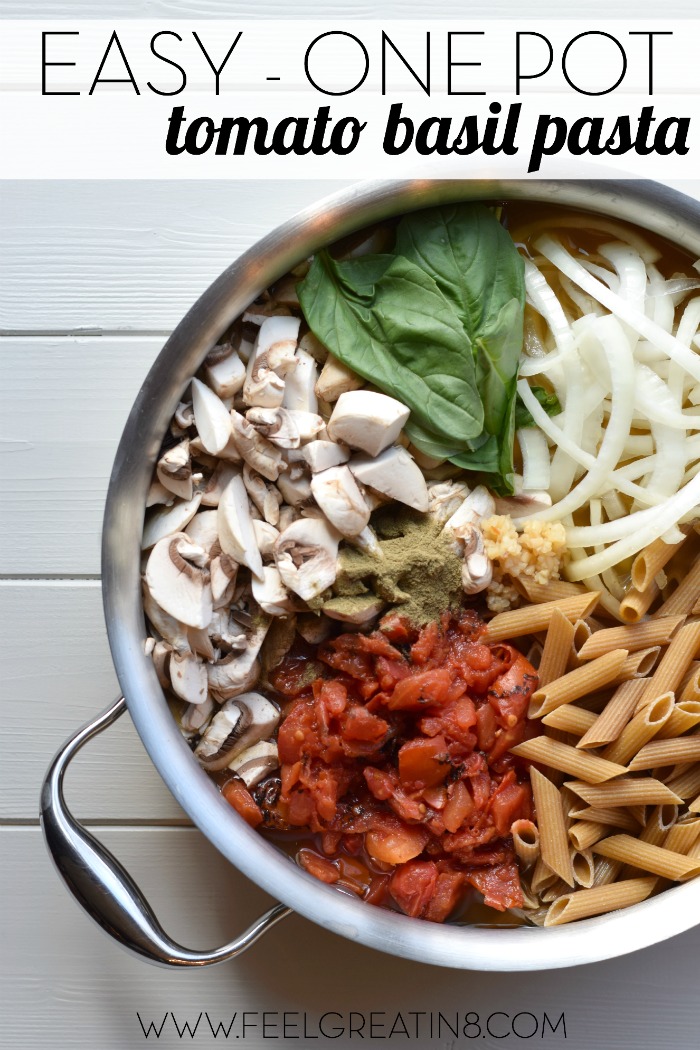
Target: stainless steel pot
<point x="91" y="873"/>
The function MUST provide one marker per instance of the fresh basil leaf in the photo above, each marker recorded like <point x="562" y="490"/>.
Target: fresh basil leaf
<point x="549" y="402"/>
<point x="387" y="319"/>
<point x="436" y="446"/>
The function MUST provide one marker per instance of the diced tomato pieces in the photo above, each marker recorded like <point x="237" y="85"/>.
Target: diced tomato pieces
<point x="423" y="762"/>
<point x="486" y="727"/>
<point x="359" y="724"/>
<point x="318" y="866"/>
<point x="500" y="886"/>
<point x="394" y="842"/>
<point x="446" y="896"/>
<point x="413" y="885"/>
<point x="508" y="805"/>
<point x="380" y="783"/>
<point x="420" y="690"/>
<point x="236" y="793"/>
<point x="459" y="806"/>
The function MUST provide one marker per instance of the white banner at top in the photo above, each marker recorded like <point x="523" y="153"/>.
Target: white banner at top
<point x="316" y="99"/>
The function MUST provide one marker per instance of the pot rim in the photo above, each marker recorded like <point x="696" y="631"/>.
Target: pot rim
<point x="646" y="204"/>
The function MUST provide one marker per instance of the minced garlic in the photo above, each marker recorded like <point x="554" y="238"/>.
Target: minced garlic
<point x="536" y="553"/>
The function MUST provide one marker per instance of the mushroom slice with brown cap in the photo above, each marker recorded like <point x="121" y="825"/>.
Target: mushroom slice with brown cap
<point x="223" y="570"/>
<point x="306" y="554"/>
<point x="203" y="530"/>
<point x="337" y="494"/>
<point x="195" y="717"/>
<point x="263" y="494"/>
<point x="188" y="677"/>
<point x="224" y="370"/>
<point x="174" y="470"/>
<point x="477" y="570"/>
<point x="161" y="661"/>
<point x="299" y="390"/>
<point x="177" y="582"/>
<point x="271" y="360"/>
<point x="256" y="762"/>
<point x="236" y="534"/>
<point x="211" y="418"/>
<point x="239" y="724"/>
<point x="256" y="450"/>
<point x="275" y="424"/>
<point x="393" y="473"/>
<point x="367" y="420"/>
<point x="216" y="484"/>
<point x="270" y="593"/>
<point x="239" y="671"/>
<point x="265" y="536"/>
<point x="479" y="504"/>
<point x="170" y="629"/>
<point x="158" y="493"/>
<point x="446" y="497"/>
<point x="168" y="521"/>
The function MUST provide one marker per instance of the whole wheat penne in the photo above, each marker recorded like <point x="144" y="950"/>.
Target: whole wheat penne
<point x="650" y="561"/>
<point x="681" y="650"/>
<point x="583" y="867"/>
<point x="583" y="630"/>
<point x="582" y="904"/>
<point x="526" y="841"/>
<point x="694" y="850"/>
<point x="557" y="648"/>
<point x="537" y="917"/>
<point x="663" y="752"/>
<point x="645" y="724"/>
<point x="542" y="876"/>
<point x="636" y="604"/>
<point x="685" y="595"/>
<point x="585" y="832"/>
<point x="625" y="791"/>
<point x="554" y="841"/>
<point x="694" y="806"/>
<point x="570" y="719"/>
<point x="578" y="683"/>
<point x="517" y="622"/>
<point x="611" y="817"/>
<point x="530" y="900"/>
<point x="660" y="819"/>
<point x="692" y="668"/>
<point x="643" y="855"/>
<point x="695" y="611"/>
<point x="639" y="813"/>
<point x="657" y="631"/>
<point x="554" y="591"/>
<point x="686" y="784"/>
<point x="548" y="752"/>
<point x="606" y="870"/>
<point x="683" y="835"/>
<point x="639" y="664"/>
<point x="614" y="716"/>
<point x="690" y="688"/>
<point x="550" y="893"/>
<point x="685" y="716"/>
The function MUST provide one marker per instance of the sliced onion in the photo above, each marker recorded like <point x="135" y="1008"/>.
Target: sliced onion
<point x="536" y="464"/>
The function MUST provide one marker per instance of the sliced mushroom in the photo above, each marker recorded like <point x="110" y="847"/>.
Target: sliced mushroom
<point x="299" y="393"/>
<point x="256" y="762"/>
<point x="184" y="415"/>
<point x="478" y="504"/>
<point x="367" y="420"/>
<point x="226" y="632"/>
<point x="313" y="346"/>
<point x="446" y="497"/>
<point x="336" y="379"/>
<point x="161" y="661"/>
<point x="309" y="424"/>
<point x="177" y="582"/>
<point x="174" y="470"/>
<point x="256" y="450"/>
<point x="224" y="370"/>
<point x="167" y="626"/>
<point x="264" y="495"/>
<point x="295" y="486"/>
<point x="265" y="537"/>
<point x="337" y="494"/>
<point x="271" y="360"/>
<point x="314" y="628"/>
<point x="352" y="610"/>
<point x="239" y="671"/>
<point x="188" y="676"/>
<point x="236" y="534"/>
<point x="224" y="571"/>
<point x="216" y="484"/>
<point x="200" y="642"/>
<point x="158" y="493"/>
<point x="204" y="530"/>
<point x="306" y="554"/>
<point x="275" y="424"/>
<point x="211" y="418"/>
<point x="195" y="717"/>
<point x="477" y="570"/>
<point x="393" y="473"/>
<point x="169" y="520"/>
<point x="271" y="594"/>
<point x="288" y="514"/>
<point x="241" y="723"/>
<point x="320" y="455"/>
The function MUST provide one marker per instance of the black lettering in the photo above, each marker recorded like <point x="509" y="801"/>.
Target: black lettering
<point x="561" y="1021"/>
<point x="530" y="76"/>
<point x="393" y="124"/>
<point x="396" y="1030"/>
<point x="494" y="1035"/>
<point x="356" y="1031"/>
<point x="642" y="146"/>
<point x="581" y="36"/>
<point x="441" y="127"/>
<point x="452" y="1030"/>
<point x="167" y="32"/>
<point x="338" y="144"/>
<point x="151" y="1026"/>
<point x="220" y="1027"/>
<point x="216" y="72"/>
<point x="424" y="84"/>
<point x="175" y="121"/>
<point x="521" y="1035"/>
<point x="450" y="63"/>
<point x="621" y="132"/>
<point x="336" y="32"/>
<point x="592" y="143"/>
<point x="470" y="129"/>
<point x="334" y="1032"/>
<point x="192" y="145"/>
<point x="186" y="1027"/>
<point x="114" y="39"/>
<point x="321" y="121"/>
<point x="679" y="143"/>
<point x="540" y="147"/>
<point x="44" y="63"/>
<point x="507" y="144"/>
<point x="651" y="34"/>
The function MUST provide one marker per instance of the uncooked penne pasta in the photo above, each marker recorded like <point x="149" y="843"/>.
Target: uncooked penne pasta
<point x="542" y="877"/>
<point x="645" y="724"/>
<point x="570" y="719"/>
<point x="606" y="870"/>
<point x="554" y="591"/>
<point x="625" y="791"/>
<point x="517" y="622"/>
<point x="585" y="679"/>
<point x="582" y="904"/>
<point x="657" y="631"/>
<point x="526" y="841"/>
<point x="683" y="835"/>
<point x="557" y="648"/>
<point x="611" y="817"/>
<point x="643" y="855"/>
<point x="554" y="841"/>
<point x="614" y="716"/>
<point x="685" y="716"/>
<point x="686" y="784"/>
<point x="690" y="688"/>
<point x="639" y="664"/>
<point x="582" y="632"/>
<point x="649" y="562"/>
<point x="668" y="675"/>
<point x="548" y="752"/>
<point x="664" y="752"/>
<point x="583" y="867"/>
<point x="685" y="595"/>
<point x="584" y="833"/>
<point x="694" y="806"/>
<point x="636" y="604"/>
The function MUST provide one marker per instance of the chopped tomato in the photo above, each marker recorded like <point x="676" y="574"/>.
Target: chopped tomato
<point x="317" y="866"/>
<point x="394" y="842"/>
<point x="500" y="886"/>
<point x="236" y="793"/>
<point x="459" y="806"/>
<point x="413" y="886"/>
<point x="423" y="762"/>
<point x="420" y="690"/>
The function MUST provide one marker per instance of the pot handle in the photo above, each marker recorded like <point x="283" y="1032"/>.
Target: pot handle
<point x="101" y="885"/>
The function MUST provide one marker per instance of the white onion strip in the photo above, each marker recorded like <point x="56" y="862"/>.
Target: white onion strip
<point x="535" y="452"/>
<point x="670" y="345"/>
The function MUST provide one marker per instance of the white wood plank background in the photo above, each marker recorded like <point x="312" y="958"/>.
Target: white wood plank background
<point x="92" y="279"/>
